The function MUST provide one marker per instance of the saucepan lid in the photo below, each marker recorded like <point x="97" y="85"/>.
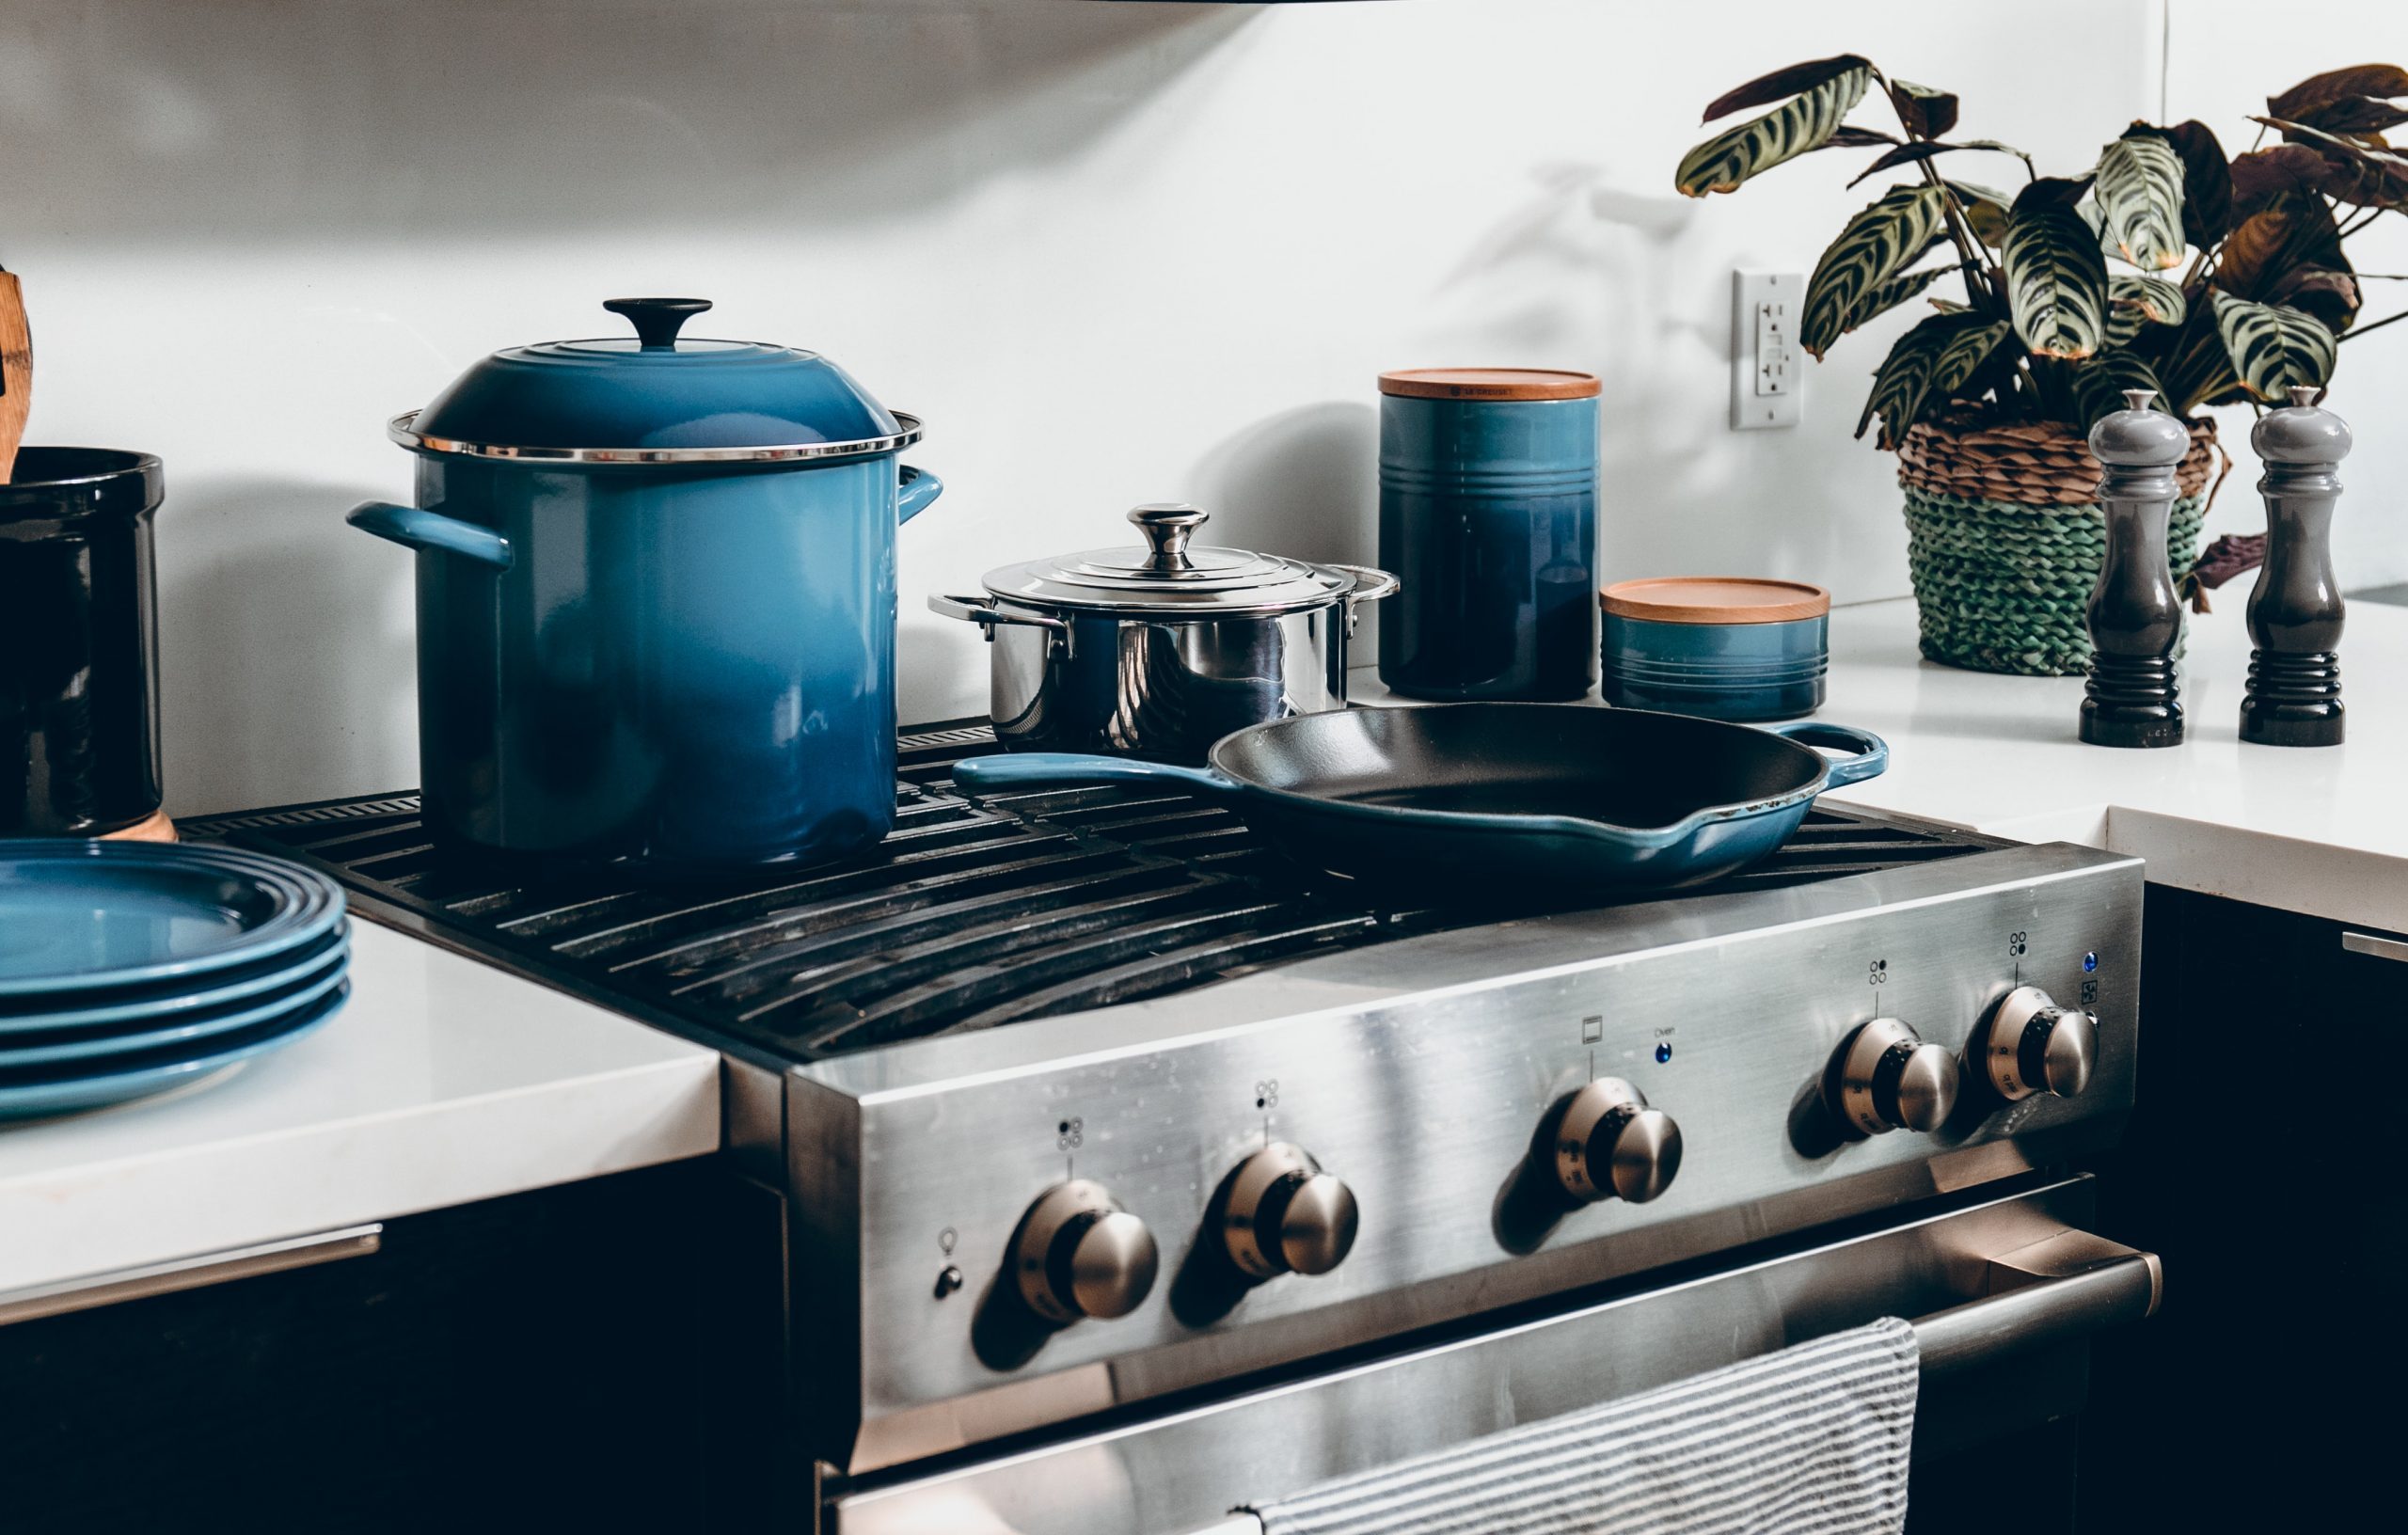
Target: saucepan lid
<point x="655" y="398"/>
<point x="1168" y="574"/>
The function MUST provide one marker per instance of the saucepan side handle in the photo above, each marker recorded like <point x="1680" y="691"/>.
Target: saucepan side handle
<point x="416" y="528"/>
<point x="1055" y="769"/>
<point x="988" y="615"/>
<point x="1871" y="754"/>
<point x="1371" y="585"/>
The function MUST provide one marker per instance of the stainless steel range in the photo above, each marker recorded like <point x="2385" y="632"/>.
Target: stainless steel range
<point x="1129" y="1176"/>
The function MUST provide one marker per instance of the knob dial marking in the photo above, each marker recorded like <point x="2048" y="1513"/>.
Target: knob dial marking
<point x="1885" y="1077"/>
<point x="2035" y="1046"/>
<point x="1608" y="1142"/>
<point x="1285" y="1216"/>
<point x="1080" y="1255"/>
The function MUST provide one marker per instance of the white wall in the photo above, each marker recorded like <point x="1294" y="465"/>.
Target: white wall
<point x="1112" y="252"/>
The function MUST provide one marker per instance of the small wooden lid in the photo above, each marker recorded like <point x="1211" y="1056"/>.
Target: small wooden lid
<point x="1716" y="599"/>
<point x="1491" y="384"/>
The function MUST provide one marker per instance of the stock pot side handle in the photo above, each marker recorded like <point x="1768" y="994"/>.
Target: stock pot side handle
<point x="915" y="488"/>
<point x="416" y="528"/>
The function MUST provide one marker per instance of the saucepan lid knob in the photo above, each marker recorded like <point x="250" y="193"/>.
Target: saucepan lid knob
<point x="1167" y="527"/>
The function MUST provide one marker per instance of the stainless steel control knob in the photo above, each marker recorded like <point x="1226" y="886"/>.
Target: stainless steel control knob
<point x="1886" y="1078"/>
<point x="1079" y="1254"/>
<point x="1608" y="1142"/>
<point x="2035" y="1046"/>
<point x="1285" y="1216"/>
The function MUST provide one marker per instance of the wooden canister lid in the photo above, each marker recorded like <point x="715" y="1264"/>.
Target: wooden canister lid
<point x="1491" y="384"/>
<point x="154" y="826"/>
<point x="1716" y="599"/>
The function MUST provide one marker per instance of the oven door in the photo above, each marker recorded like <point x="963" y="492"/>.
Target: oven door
<point x="2004" y="1294"/>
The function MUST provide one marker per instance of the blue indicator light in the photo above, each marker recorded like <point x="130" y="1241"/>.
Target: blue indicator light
<point x="1663" y="1053"/>
<point x="2089" y="962"/>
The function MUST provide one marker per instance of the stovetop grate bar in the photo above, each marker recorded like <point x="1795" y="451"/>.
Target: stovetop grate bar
<point x="977" y="913"/>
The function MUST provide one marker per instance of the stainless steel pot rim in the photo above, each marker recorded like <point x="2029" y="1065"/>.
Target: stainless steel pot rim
<point x="401" y="430"/>
<point x="1177" y="605"/>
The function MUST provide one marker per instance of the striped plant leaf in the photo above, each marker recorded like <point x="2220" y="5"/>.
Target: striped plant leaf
<point x="2134" y="301"/>
<point x="2158" y="300"/>
<point x="1886" y="297"/>
<point x="1765" y="89"/>
<point x="2273" y="346"/>
<point x="1964" y="354"/>
<point x="2140" y="193"/>
<point x="1904" y="378"/>
<point x="2098" y="385"/>
<point x="1801" y="123"/>
<point x="1924" y="149"/>
<point x="2056" y="281"/>
<point x="1879" y="243"/>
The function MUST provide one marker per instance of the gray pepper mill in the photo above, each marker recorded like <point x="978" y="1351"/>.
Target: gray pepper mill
<point x="2295" y="613"/>
<point x="2136" y="617"/>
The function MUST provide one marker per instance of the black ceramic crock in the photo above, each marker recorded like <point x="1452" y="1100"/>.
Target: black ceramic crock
<point x="79" y="670"/>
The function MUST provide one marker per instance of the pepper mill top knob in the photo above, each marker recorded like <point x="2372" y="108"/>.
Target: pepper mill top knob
<point x="2139" y="436"/>
<point x="2300" y="433"/>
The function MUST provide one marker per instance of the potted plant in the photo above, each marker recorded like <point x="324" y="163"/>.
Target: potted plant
<point x="2164" y="266"/>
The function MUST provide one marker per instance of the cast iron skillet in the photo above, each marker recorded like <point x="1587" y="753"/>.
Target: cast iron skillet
<point x="1547" y="800"/>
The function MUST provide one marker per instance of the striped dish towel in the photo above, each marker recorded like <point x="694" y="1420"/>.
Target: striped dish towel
<point x="1812" y="1439"/>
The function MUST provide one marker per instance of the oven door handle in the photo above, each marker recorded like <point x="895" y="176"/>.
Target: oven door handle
<point x="2063" y="1287"/>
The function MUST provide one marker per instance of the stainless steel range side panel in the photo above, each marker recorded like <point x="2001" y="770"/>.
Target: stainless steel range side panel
<point x="1180" y="1472"/>
<point x="1418" y="1071"/>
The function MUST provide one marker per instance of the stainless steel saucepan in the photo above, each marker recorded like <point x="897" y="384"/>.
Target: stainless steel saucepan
<point x="1158" y="651"/>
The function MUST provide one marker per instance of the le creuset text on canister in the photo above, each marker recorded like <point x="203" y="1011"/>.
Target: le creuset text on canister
<point x="655" y="597"/>
<point x="79" y="665"/>
<point x="1727" y="647"/>
<point x="1159" y="650"/>
<point x="1488" y="516"/>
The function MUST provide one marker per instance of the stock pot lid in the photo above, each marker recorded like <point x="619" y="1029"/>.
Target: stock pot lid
<point x="655" y="398"/>
<point x="1169" y="575"/>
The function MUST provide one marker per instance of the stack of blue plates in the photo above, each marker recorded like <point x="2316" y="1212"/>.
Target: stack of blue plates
<point x="127" y="968"/>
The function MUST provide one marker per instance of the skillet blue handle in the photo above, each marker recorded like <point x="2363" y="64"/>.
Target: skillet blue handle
<point x="1872" y="753"/>
<point x="1048" y="769"/>
<point x="416" y="528"/>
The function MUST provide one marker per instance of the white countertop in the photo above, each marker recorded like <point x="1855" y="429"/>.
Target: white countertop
<point x="2322" y="831"/>
<point x="442" y="1081"/>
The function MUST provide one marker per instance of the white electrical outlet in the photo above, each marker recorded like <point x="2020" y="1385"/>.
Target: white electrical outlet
<point x="1766" y="368"/>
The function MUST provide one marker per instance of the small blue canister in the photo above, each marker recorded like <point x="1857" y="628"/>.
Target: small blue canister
<point x="1727" y="647"/>
<point x="1488" y="517"/>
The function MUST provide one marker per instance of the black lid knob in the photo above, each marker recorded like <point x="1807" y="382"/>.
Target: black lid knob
<point x="657" y="320"/>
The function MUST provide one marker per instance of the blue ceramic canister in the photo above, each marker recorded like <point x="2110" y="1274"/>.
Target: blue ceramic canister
<point x="1727" y="647"/>
<point x="655" y="598"/>
<point x="1488" y="517"/>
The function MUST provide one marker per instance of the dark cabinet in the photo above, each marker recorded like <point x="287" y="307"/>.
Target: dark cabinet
<point x="2264" y="1164"/>
<point x="601" y="1356"/>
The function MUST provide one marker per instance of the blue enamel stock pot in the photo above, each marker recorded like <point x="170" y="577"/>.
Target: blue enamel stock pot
<point x="655" y="598"/>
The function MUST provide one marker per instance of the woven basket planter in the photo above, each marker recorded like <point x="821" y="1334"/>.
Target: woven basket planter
<point x="2005" y="539"/>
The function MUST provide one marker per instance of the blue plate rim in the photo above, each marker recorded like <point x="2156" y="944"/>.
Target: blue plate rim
<point x="317" y="903"/>
<point x="304" y="994"/>
<point x="168" y="1004"/>
<point x="103" y="1089"/>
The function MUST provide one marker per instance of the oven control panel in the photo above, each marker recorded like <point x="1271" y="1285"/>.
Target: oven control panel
<point x="1331" y="1152"/>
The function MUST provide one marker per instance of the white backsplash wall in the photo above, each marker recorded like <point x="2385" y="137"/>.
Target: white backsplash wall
<point x="1112" y="252"/>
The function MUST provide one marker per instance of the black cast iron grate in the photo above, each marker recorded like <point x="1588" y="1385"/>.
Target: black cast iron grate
<point x="973" y="913"/>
